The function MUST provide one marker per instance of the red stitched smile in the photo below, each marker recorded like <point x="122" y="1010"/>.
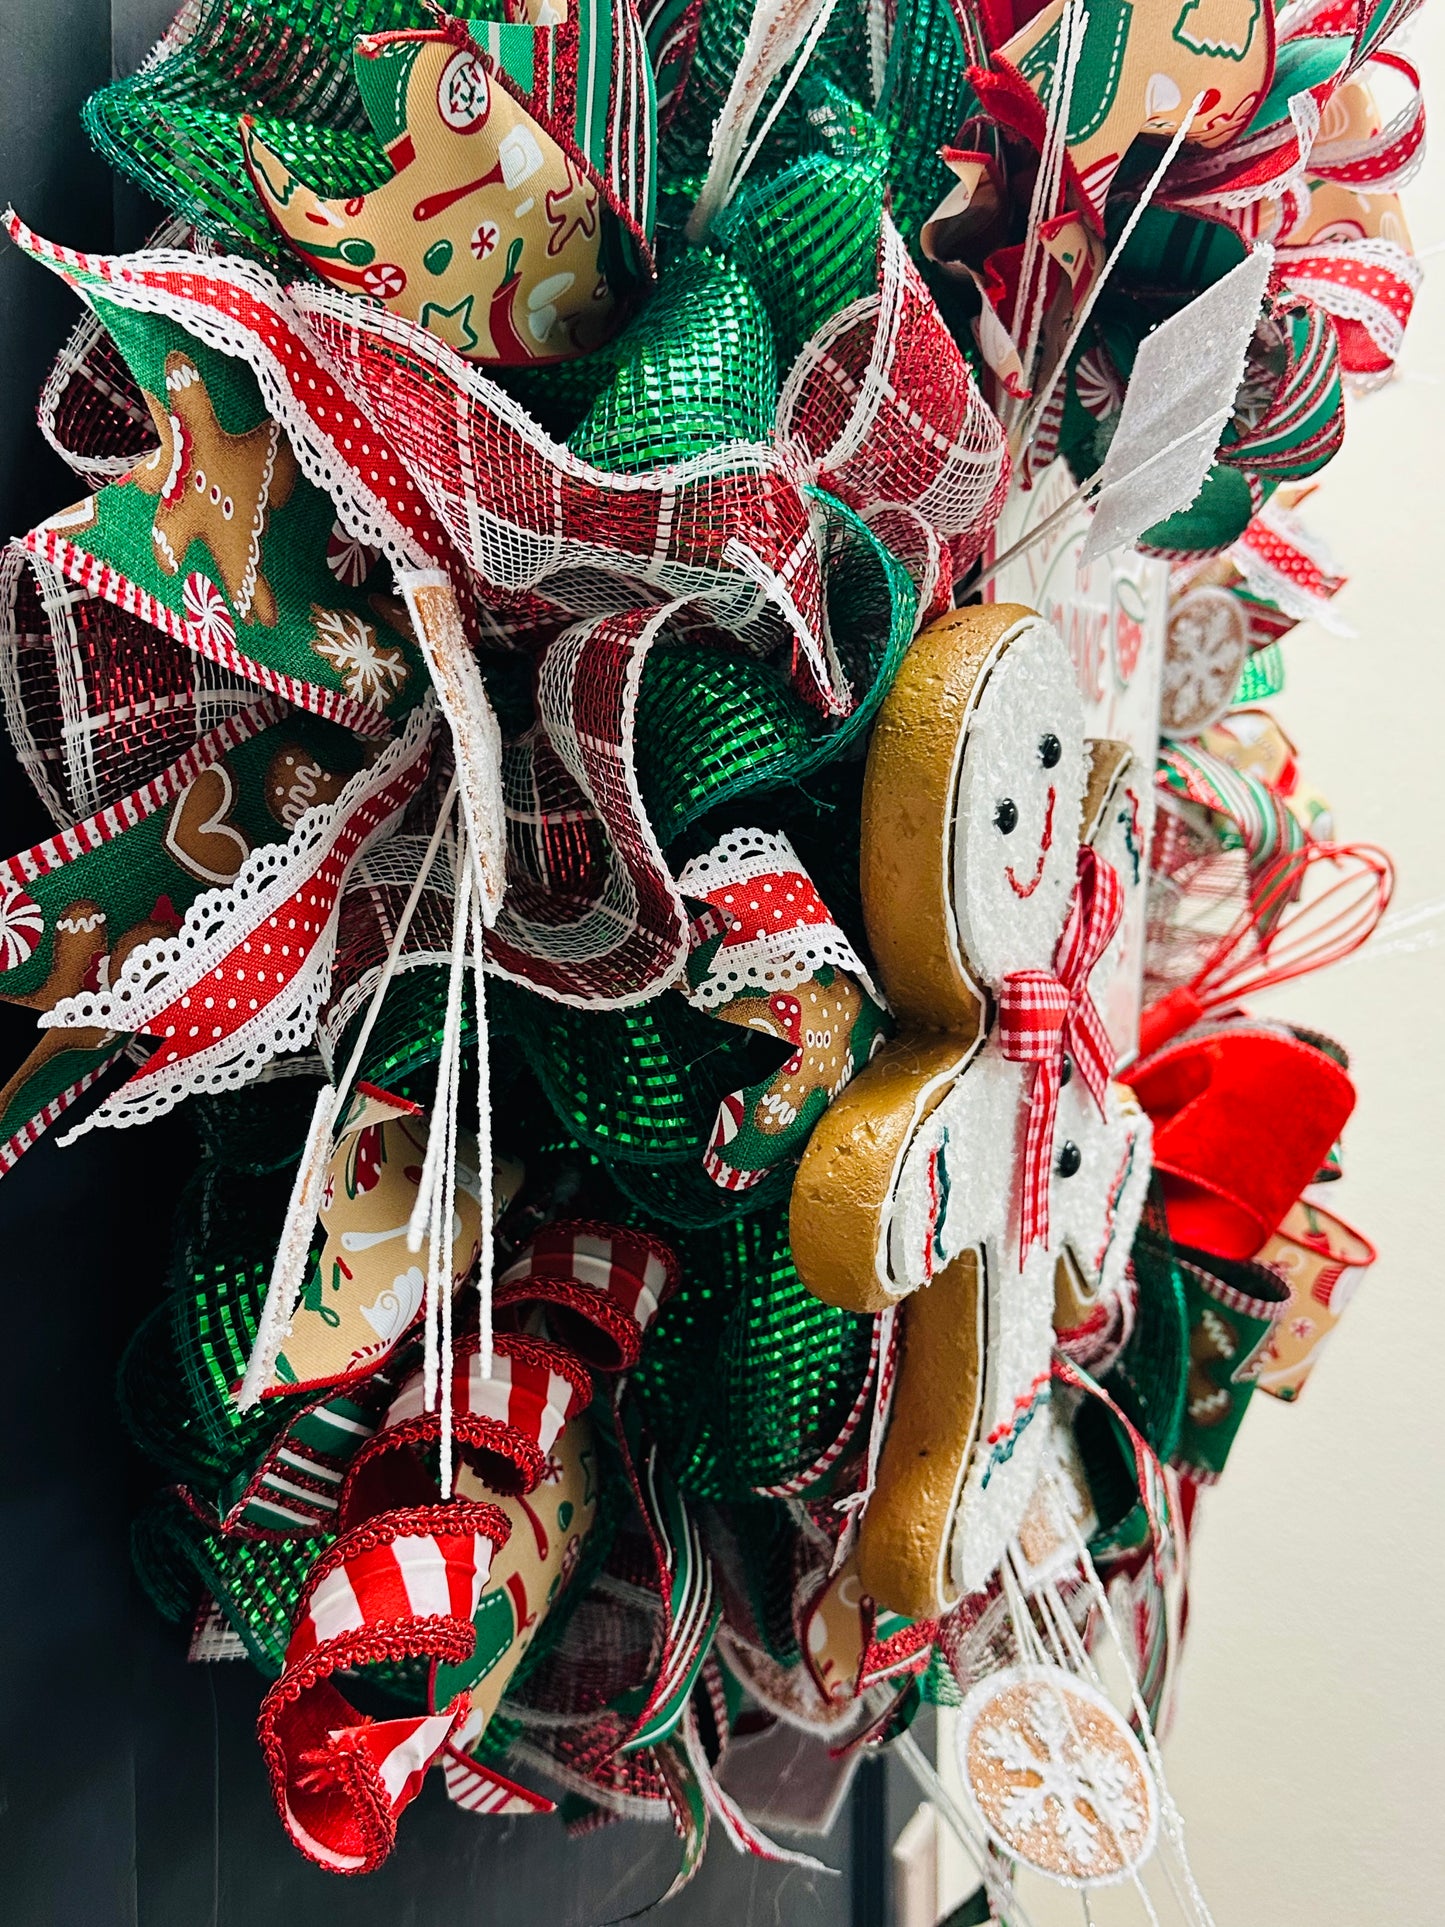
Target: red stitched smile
<point x="1045" y="844"/>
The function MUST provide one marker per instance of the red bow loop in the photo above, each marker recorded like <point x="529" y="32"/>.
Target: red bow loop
<point x="1043" y="1014"/>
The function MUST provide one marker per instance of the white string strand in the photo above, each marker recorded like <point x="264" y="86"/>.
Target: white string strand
<point x="1032" y="300"/>
<point x="1171" y="1820"/>
<point x="427" y="1221"/>
<point x="288" y="1273"/>
<point x="486" y="1258"/>
<point x="1081" y="319"/>
<point x="1049" y="1647"/>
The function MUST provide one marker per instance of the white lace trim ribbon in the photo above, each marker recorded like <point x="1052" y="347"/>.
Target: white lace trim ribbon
<point x="159" y="974"/>
<point x="774" y="960"/>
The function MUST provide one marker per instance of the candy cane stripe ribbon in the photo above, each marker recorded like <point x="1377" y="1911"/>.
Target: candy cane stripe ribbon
<point x="1044" y="1014"/>
<point x="404" y="1585"/>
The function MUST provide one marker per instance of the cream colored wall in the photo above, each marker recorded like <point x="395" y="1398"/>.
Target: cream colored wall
<point x="1308" y="1754"/>
<point x="1309" y="1750"/>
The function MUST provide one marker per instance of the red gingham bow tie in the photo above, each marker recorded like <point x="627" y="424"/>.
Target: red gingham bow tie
<point x="1041" y="1015"/>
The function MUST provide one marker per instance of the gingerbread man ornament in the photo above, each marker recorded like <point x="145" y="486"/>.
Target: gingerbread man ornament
<point x="950" y="1177"/>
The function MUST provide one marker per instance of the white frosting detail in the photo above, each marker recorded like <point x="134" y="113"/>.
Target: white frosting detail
<point x="1028" y="693"/>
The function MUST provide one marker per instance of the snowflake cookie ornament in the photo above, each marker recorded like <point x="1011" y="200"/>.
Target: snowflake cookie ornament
<point x="986" y="1140"/>
<point x="1055" y="1776"/>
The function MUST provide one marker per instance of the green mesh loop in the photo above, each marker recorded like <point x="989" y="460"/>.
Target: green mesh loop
<point x="748" y="1378"/>
<point x="840" y="60"/>
<point x="161" y="1415"/>
<point x="807" y="239"/>
<point x="926" y="98"/>
<point x="714" y="726"/>
<point x="171" y="127"/>
<point x="765" y="1536"/>
<point x="256" y="1583"/>
<point x="695" y="369"/>
<point x="684" y="1198"/>
<point x="226" y="1248"/>
<point x="257" y="1129"/>
<point x="624" y="1082"/>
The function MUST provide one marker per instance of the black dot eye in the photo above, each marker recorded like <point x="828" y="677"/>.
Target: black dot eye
<point x="1007" y="816"/>
<point x="1050" y="750"/>
<point x="1066" y="1070"/>
<point x="1070" y="1158"/>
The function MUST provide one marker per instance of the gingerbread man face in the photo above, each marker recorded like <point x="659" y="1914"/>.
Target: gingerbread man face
<point x="1017" y="807"/>
<point x="935" y="1177"/>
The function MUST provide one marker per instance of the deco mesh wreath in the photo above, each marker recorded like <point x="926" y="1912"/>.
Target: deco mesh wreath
<point x="654" y="711"/>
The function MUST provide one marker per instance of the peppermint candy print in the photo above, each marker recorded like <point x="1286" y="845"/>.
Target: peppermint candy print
<point x="21" y="925"/>
<point x="205" y="608"/>
<point x="349" y="559"/>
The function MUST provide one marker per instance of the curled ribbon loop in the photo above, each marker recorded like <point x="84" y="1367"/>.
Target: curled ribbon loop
<point x="404" y="1586"/>
<point x="1043" y="1015"/>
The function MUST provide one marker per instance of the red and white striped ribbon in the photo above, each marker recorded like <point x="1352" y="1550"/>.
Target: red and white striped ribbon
<point x="404" y="1585"/>
<point x="613" y="1280"/>
<point x="509" y="1420"/>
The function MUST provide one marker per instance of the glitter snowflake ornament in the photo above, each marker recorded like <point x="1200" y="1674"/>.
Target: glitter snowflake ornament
<point x="1055" y="1776"/>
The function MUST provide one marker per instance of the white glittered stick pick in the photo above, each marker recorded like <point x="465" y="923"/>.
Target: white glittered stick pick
<point x="476" y="734"/>
<point x="1180" y="396"/>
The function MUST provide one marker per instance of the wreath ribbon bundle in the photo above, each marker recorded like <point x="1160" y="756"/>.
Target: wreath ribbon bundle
<point x="734" y="1169"/>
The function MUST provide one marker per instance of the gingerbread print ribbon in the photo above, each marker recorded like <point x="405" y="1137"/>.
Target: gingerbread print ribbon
<point x="1044" y="1015"/>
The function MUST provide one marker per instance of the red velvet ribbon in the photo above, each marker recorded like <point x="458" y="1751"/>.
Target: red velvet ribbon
<point x="1244" y="1116"/>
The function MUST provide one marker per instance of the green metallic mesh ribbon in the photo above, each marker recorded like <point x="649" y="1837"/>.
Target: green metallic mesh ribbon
<point x="177" y="1377"/>
<point x="257" y="1584"/>
<point x="807" y="237"/>
<point x="707" y="335"/>
<point x="926" y="99"/>
<point x="840" y="61"/>
<point x="748" y="1378"/>
<point x="172" y="127"/>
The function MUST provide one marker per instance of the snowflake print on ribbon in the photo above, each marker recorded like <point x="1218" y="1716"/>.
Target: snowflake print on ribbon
<point x="370" y="672"/>
<point x="1056" y="1777"/>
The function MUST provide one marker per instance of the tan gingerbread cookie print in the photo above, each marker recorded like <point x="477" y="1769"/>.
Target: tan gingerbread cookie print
<point x="487" y="232"/>
<point x="214" y="487"/>
<point x="818" y="1022"/>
